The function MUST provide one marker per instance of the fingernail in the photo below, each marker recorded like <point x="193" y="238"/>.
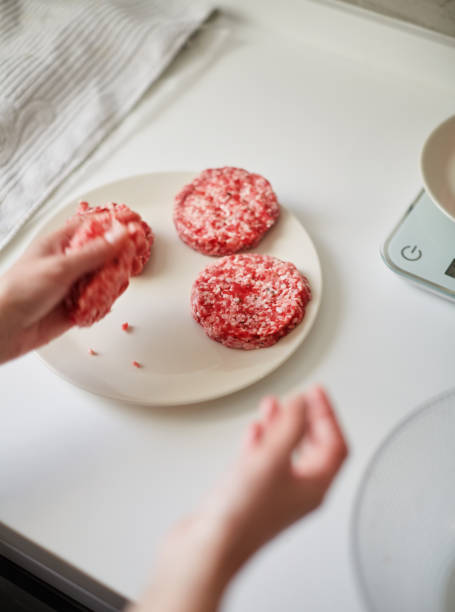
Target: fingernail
<point x="116" y="232"/>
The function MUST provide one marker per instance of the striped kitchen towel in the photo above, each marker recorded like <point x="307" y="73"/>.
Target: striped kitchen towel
<point x="69" y="71"/>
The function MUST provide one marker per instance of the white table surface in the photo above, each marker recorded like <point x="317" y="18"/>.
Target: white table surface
<point x="333" y="108"/>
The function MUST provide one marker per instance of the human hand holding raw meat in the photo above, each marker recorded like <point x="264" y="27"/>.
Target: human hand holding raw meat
<point x="32" y="291"/>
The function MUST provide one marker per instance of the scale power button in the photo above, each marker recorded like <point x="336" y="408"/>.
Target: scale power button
<point x="411" y="253"/>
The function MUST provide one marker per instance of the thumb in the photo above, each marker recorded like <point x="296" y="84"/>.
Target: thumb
<point x="95" y="253"/>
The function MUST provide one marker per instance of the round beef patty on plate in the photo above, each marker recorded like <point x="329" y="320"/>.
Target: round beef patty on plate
<point x="225" y="210"/>
<point x="249" y="301"/>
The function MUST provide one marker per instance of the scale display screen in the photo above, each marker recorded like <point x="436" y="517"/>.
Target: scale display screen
<point x="451" y="269"/>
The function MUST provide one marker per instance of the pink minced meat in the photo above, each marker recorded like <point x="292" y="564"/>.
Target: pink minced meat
<point x="225" y="210"/>
<point x="144" y="238"/>
<point x="92" y="296"/>
<point x="249" y="301"/>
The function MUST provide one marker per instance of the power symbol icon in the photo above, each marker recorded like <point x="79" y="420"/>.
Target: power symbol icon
<point x="411" y="253"/>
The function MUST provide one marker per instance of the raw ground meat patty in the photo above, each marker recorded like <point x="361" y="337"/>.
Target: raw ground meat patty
<point x="225" y="210"/>
<point x="144" y="236"/>
<point x="92" y="296"/>
<point x="249" y="301"/>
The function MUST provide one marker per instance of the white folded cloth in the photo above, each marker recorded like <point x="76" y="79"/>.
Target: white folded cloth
<point x="69" y="71"/>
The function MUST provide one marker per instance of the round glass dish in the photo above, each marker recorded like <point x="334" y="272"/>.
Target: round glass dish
<point x="403" y="526"/>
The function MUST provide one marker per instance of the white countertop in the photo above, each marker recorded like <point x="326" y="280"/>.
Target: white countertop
<point x="333" y="108"/>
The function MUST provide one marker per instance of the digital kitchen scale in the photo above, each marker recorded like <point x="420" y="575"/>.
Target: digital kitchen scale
<point x="421" y="248"/>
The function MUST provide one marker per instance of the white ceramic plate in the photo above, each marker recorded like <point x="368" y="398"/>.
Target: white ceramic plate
<point x="438" y="166"/>
<point x="181" y="364"/>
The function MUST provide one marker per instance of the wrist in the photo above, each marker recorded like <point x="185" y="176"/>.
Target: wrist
<point x="235" y="546"/>
<point x="212" y="567"/>
<point x="191" y="572"/>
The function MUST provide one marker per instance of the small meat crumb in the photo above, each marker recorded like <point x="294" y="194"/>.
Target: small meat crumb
<point x="92" y="352"/>
<point x="125" y="326"/>
<point x="136" y="364"/>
